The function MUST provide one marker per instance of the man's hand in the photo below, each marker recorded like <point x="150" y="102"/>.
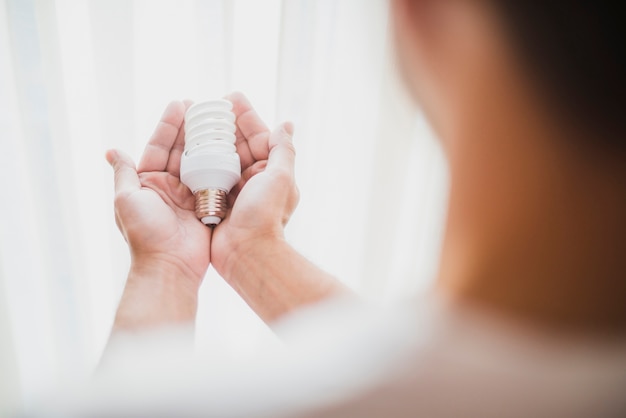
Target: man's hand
<point x="248" y="248"/>
<point x="266" y="196"/>
<point x="170" y="247"/>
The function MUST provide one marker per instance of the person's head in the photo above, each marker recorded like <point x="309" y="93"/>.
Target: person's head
<point x="526" y="98"/>
<point x="564" y="58"/>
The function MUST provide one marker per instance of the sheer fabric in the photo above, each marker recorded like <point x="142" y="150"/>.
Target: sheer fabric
<point x="80" y="76"/>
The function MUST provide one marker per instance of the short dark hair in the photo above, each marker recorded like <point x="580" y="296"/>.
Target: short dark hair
<point x="576" y="50"/>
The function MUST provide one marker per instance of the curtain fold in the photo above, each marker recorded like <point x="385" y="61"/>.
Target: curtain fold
<point x="80" y="76"/>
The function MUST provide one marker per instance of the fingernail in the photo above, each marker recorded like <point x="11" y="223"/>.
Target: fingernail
<point x="110" y="156"/>
<point x="288" y="127"/>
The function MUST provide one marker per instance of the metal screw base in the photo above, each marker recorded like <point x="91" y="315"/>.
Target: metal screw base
<point x="211" y="206"/>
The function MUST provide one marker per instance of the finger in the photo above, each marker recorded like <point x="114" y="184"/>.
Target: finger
<point x="252" y="133"/>
<point x="246" y="175"/>
<point x="157" y="152"/>
<point x="282" y="154"/>
<point x="126" y="177"/>
<point x="173" y="163"/>
<point x="240" y="103"/>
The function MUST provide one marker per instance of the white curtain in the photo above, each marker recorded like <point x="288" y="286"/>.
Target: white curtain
<point x="80" y="76"/>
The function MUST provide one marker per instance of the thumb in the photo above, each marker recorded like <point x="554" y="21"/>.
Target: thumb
<point x="282" y="153"/>
<point x="126" y="178"/>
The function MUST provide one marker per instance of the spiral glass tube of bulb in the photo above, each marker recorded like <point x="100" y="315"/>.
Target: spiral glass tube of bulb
<point x="210" y="164"/>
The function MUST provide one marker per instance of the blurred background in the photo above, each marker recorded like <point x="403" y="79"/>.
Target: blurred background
<point x="78" y="77"/>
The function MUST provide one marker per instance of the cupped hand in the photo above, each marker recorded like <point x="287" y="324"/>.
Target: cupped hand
<point x="154" y="210"/>
<point x="262" y="202"/>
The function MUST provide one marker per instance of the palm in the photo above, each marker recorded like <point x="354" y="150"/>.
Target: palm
<point x="267" y="193"/>
<point x="155" y="210"/>
<point x="165" y="222"/>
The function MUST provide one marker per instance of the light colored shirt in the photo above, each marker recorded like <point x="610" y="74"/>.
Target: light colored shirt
<point x="345" y="359"/>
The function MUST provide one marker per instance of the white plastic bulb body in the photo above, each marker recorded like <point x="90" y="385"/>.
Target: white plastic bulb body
<point x="209" y="165"/>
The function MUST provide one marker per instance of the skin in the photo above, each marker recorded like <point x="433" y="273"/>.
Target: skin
<point x="535" y="229"/>
<point x="535" y="225"/>
<point x="155" y="213"/>
<point x="171" y="249"/>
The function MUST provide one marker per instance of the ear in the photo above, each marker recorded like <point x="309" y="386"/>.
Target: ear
<point x="432" y="53"/>
<point x="421" y="18"/>
<point x="421" y="33"/>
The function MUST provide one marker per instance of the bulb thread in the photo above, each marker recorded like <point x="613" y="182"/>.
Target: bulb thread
<point x="211" y="202"/>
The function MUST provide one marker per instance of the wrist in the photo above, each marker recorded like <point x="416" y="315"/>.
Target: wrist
<point x="238" y="249"/>
<point x="157" y="264"/>
<point x="272" y="277"/>
<point x="157" y="292"/>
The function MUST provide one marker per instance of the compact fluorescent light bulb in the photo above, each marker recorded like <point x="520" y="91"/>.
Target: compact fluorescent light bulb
<point x="210" y="164"/>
